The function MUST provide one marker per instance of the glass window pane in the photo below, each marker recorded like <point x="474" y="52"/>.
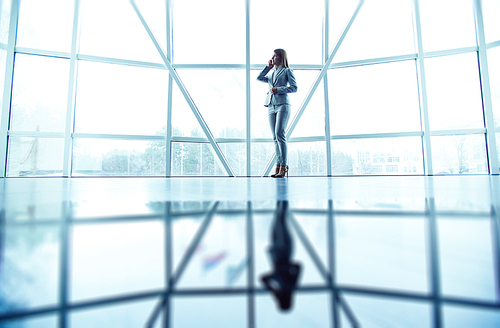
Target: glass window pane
<point x="4" y="21"/>
<point x="34" y="156"/>
<point x="121" y="99"/>
<point x="210" y="311"/>
<point x="39" y="94"/>
<point x="220" y="97"/>
<point x="45" y="321"/>
<point x="30" y="266"/>
<point x="217" y="27"/>
<point x="122" y="315"/>
<point x="459" y="154"/>
<point x="3" y="61"/>
<point x="447" y="24"/>
<point x="466" y="258"/>
<point x="261" y="154"/>
<point x="111" y="28"/>
<point x="236" y="155"/>
<point x="494" y="75"/>
<point x="45" y="24"/>
<point x="382" y="252"/>
<point x="460" y="316"/>
<point x="374" y="99"/>
<point x="391" y="156"/>
<point x="221" y="261"/>
<point x="275" y="24"/>
<point x="491" y="12"/>
<point x="497" y="138"/>
<point x="116" y="258"/>
<point x="381" y="29"/>
<point x="184" y="123"/>
<point x="198" y="159"/>
<point x="308" y="310"/>
<point x="312" y="121"/>
<point x="119" y="157"/>
<point x="453" y="92"/>
<point x="307" y="158"/>
<point x="387" y="312"/>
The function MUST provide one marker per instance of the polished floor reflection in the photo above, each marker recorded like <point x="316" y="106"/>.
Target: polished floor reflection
<point x="256" y="252"/>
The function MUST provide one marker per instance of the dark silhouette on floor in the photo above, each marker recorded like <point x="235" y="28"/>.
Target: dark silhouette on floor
<point x="283" y="280"/>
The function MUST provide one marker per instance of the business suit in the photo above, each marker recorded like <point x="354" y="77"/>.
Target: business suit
<point x="278" y="106"/>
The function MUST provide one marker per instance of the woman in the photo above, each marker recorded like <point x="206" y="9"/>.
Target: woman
<point x="281" y="82"/>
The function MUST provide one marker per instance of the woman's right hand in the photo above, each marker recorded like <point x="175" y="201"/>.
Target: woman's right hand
<point x="270" y="63"/>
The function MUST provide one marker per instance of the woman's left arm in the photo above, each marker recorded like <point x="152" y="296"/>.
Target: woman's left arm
<point x="292" y="83"/>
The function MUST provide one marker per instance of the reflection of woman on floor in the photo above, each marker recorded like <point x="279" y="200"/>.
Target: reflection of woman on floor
<point x="281" y="82"/>
<point x="282" y="281"/>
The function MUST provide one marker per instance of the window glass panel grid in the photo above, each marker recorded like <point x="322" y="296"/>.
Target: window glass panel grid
<point x="35" y="156"/>
<point x="111" y="157"/>
<point x="378" y="156"/>
<point x="123" y="98"/>
<point x="459" y="154"/>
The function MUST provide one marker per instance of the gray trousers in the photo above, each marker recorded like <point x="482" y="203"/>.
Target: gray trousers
<point x="278" y="121"/>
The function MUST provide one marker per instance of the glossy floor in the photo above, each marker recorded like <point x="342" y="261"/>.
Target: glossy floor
<point x="190" y="252"/>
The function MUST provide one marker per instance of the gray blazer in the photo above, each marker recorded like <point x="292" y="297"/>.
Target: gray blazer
<point x="284" y="81"/>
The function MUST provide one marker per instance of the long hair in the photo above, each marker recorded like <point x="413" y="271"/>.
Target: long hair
<point x="282" y="54"/>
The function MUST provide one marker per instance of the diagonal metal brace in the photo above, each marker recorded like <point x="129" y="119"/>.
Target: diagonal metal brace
<point x="185" y="93"/>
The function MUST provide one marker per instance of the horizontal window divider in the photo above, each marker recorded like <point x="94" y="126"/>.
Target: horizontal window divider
<point x="190" y="139"/>
<point x="381" y="60"/>
<point x="493" y="44"/>
<point x="208" y="66"/>
<point x="307" y="139"/>
<point x="261" y="140"/>
<point x="204" y="140"/>
<point x="457" y="132"/>
<point x="449" y="52"/>
<point x="378" y="135"/>
<point x="41" y="52"/>
<point x="35" y="134"/>
<point x="3" y="46"/>
<point x="110" y="60"/>
<point x="306" y="67"/>
<point x="116" y="136"/>
<point x="389" y="214"/>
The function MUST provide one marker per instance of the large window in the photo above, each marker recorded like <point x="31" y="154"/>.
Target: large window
<point x="168" y="87"/>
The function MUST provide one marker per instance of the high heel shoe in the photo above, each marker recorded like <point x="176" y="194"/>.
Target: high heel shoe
<point x="283" y="171"/>
<point x="276" y="171"/>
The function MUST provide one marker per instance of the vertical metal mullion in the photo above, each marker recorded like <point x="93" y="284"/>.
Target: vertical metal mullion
<point x="495" y="227"/>
<point x="326" y="47"/>
<point x="248" y="98"/>
<point x="70" y="105"/>
<point x="168" y="263"/>
<point x="7" y="91"/>
<point x="486" y="90"/>
<point x="64" y="264"/>
<point x="433" y="253"/>
<point x="168" y="137"/>
<point x="331" y="265"/>
<point x="422" y="86"/>
<point x="250" y="272"/>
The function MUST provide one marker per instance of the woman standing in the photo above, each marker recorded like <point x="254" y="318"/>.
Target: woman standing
<point x="281" y="82"/>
